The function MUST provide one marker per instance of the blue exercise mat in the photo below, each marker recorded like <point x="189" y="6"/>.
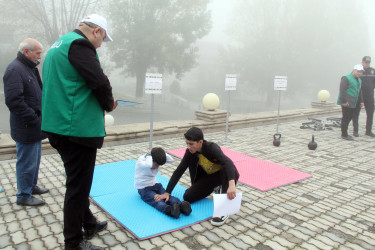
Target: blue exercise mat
<point x="113" y="190"/>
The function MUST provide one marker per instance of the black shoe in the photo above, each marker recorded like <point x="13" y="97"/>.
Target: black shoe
<point x="355" y="134"/>
<point x="348" y="137"/>
<point x="218" y="221"/>
<point x="32" y="201"/>
<point x="370" y="134"/>
<point x="185" y="208"/>
<point x="85" y="246"/>
<point x="89" y="233"/>
<point x="173" y="211"/>
<point x="40" y="190"/>
<point x="217" y="190"/>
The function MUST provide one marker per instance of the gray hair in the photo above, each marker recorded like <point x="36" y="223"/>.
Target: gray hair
<point x="29" y="44"/>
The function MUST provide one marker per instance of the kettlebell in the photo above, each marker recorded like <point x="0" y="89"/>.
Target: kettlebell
<point x="312" y="145"/>
<point x="276" y="140"/>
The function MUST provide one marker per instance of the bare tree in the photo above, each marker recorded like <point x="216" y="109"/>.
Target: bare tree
<point x="56" y="17"/>
<point x="157" y="34"/>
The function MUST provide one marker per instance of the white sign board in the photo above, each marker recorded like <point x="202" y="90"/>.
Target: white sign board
<point x="230" y="82"/>
<point x="280" y="82"/>
<point x="154" y="83"/>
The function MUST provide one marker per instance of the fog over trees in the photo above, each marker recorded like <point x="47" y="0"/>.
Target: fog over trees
<point x="194" y="43"/>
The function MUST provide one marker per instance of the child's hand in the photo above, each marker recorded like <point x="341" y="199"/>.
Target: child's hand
<point x="164" y="196"/>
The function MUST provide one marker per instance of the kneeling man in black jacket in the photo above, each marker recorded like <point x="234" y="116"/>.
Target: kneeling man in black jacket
<point x="209" y="168"/>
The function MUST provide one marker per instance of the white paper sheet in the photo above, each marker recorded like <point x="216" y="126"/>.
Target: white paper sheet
<point x="223" y="206"/>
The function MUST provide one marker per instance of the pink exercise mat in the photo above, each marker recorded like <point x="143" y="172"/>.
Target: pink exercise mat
<point x="257" y="173"/>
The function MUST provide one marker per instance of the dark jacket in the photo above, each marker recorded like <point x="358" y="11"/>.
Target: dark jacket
<point x="368" y="85"/>
<point x="23" y="96"/>
<point x="344" y="97"/>
<point x="213" y="153"/>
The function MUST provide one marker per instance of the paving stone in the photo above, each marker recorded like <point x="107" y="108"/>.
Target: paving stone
<point x="179" y="235"/>
<point x="203" y="240"/>
<point x="131" y="245"/>
<point x="51" y="242"/>
<point x="327" y="241"/>
<point x="318" y="244"/>
<point x="167" y="247"/>
<point x="238" y="243"/>
<point x="18" y="237"/>
<point x="5" y="241"/>
<point x="109" y="240"/>
<point x="23" y="246"/>
<point x="44" y="230"/>
<point x="227" y="245"/>
<point x="180" y="246"/>
<point x="211" y="236"/>
<point x="31" y="234"/>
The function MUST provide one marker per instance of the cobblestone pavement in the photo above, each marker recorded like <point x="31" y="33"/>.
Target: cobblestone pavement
<point x="332" y="210"/>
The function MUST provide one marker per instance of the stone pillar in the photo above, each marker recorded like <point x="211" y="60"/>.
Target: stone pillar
<point x="216" y="115"/>
<point x="323" y="105"/>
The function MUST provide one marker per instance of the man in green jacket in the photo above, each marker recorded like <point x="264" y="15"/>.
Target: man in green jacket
<point x="350" y="99"/>
<point x="76" y="93"/>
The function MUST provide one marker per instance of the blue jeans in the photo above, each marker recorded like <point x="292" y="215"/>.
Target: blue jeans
<point x="148" y="194"/>
<point x="27" y="168"/>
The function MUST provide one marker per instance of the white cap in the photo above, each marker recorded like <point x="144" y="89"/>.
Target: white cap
<point x="100" y="21"/>
<point x="358" y="67"/>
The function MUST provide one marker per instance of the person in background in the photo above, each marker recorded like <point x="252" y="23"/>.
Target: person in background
<point x="146" y="169"/>
<point x="350" y="99"/>
<point x="23" y="96"/>
<point x="209" y="168"/>
<point x="75" y="95"/>
<point x="367" y="89"/>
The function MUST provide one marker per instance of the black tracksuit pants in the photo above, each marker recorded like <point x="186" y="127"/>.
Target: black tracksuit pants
<point x="349" y="114"/>
<point x="369" y="107"/>
<point x="79" y="163"/>
<point x="205" y="185"/>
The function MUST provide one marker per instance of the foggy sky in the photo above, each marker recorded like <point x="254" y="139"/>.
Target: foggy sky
<point x="223" y="12"/>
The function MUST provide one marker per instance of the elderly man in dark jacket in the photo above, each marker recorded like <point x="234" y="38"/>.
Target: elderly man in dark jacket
<point x="23" y="96"/>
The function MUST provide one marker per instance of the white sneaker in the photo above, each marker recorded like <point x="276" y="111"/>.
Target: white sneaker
<point x="218" y="221"/>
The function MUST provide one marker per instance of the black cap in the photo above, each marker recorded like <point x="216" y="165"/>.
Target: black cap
<point x="366" y="59"/>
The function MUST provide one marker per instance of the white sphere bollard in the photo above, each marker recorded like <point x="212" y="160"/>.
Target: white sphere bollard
<point x="323" y="95"/>
<point x="108" y="120"/>
<point x="211" y="101"/>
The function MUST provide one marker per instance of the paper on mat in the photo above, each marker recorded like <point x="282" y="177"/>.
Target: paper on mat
<point x="223" y="206"/>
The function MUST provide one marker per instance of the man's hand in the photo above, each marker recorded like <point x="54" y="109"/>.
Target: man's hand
<point x="346" y="104"/>
<point x="231" y="192"/>
<point x="164" y="196"/>
<point x="114" y="104"/>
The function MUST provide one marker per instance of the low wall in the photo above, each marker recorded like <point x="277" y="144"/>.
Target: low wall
<point x="140" y="132"/>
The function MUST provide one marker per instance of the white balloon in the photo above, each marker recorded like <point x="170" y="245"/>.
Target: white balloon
<point x="109" y="120"/>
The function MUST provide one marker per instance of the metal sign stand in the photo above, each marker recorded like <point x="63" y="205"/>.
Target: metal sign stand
<point x="230" y="85"/>
<point x="151" y="120"/>
<point x="153" y="85"/>
<point x="278" y="114"/>
<point x="227" y="120"/>
<point x="280" y="83"/>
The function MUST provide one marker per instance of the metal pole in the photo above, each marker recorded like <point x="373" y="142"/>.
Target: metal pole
<point x="278" y="114"/>
<point x="151" y="120"/>
<point x="227" y="119"/>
